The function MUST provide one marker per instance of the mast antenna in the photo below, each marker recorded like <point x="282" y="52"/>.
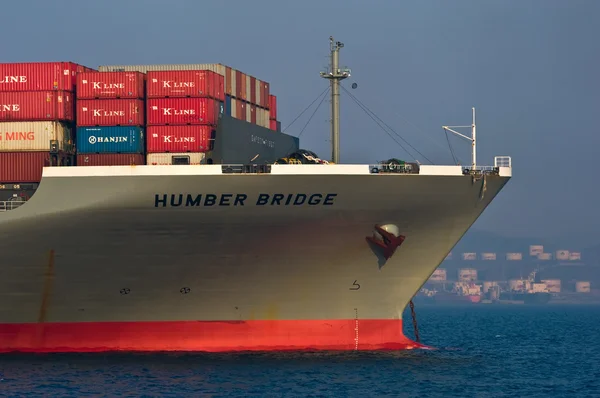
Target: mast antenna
<point x="473" y="139"/>
<point x="335" y="74"/>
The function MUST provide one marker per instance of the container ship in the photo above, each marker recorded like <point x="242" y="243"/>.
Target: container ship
<point x="161" y="208"/>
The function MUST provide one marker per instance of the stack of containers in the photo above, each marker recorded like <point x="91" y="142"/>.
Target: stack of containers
<point x="36" y="118"/>
<point x="110" y="118"/>
<point x="246" y="97"/>
<point x="183" y="108"/>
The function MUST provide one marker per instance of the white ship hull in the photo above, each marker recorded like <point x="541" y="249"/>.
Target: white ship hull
<point x="96" y="260"/>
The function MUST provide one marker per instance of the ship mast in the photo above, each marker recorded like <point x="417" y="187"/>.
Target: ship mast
<point x="335" y="74"/>
<point x="473" y="139"/>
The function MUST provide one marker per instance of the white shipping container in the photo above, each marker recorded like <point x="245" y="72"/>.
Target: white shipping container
<point x="159" y="159"/>
<point x="268" y="125"/>
<point x="248" y="89"/>
<point x="34" y="136"/>
<point x="259" y="116"/>
<point x="257" y="86"/>
<point x="234" y="108"/>
<point x="248" y="113"/>
<point x="233" y="82"/>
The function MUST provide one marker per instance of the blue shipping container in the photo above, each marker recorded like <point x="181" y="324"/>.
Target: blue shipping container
<point x="227" y="105"/>
<point x="113" y="139"/>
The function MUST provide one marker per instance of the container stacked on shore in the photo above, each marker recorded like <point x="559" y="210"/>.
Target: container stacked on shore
<point x="183" y="108"/>
<point x="36" y="118"/>
<point x="110" y="118"/>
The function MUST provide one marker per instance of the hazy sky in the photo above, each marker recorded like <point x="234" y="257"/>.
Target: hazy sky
<point x="531" y="68"/>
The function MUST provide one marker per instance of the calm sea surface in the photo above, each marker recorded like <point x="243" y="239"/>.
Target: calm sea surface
<point x="483" y="351"/>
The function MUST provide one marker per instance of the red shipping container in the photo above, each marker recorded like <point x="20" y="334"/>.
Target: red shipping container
<point x="240" y="85"/>
<point x="182" y="111"/>
<point x="160" y="139"/>
<point x="273" y="124"/>
<point x="253" y="90"/>
<point x="266" y="93"/>
<point x="17" y="167"/>
<point x="240" y="110"/>
<point x="111" y="159"/>
<point x="36" y="105"/>
<point x="252" y="113"/>
<point x="39" y="76"/>
<point x="273" y="106"/>
<point x="110" y="112"/>
<point x="185" y="83"/>
<point x="92" y="85"/>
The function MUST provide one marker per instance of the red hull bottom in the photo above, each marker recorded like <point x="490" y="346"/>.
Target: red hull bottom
<point x="206" y="336"/>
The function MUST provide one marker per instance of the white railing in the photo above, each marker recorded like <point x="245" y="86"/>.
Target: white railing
<point x="10" y="205"/>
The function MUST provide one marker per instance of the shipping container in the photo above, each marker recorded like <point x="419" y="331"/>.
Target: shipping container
<point x="228" y="82"/>
<point x="240" y="82"/>
<point x="256" y="90"/>
<point x="240" y="111"/>
<point x="92" y="85"/>
<point x="232" y="79"/>
<point x="110" y="112"/>
<point x="253" y="115"/>
<point x="159" y="159"/>
<point x="35" y="136"/>
<point x="111" y="139"/>
<point x="273" y="124"/>
<point x="191" y="83"/>
<point x="249" y="85"/>
<point x="228" y="105"/>
<point x="183" y="111"/>
<point x="234" y="108"/>
<point x="111" y="159"/>
<point x="163" y="139"/>
<point x="36" y="106"/>
<point x="19" y="167"/>
<point x="265" y="94"/>
<point x="39" y="76"/>
<point x="273" y="106"/>
<point x="260" y="117"/>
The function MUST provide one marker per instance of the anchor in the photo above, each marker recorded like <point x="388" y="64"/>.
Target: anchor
<point x="386" y="240"/>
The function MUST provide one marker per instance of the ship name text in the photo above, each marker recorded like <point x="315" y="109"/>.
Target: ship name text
<point x="240" y="199"/>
